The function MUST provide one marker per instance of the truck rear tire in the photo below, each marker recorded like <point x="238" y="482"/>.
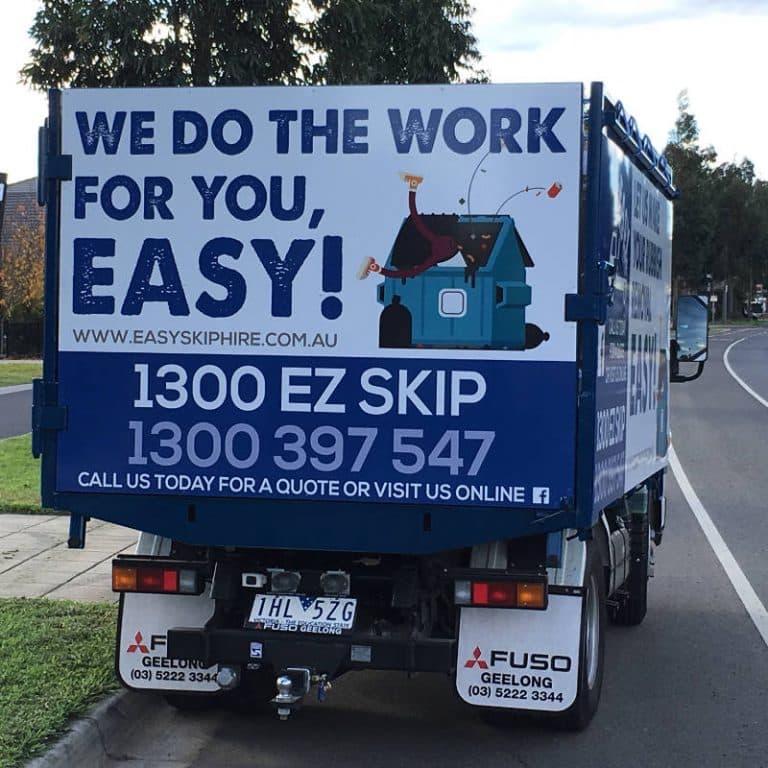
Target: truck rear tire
<point x="633" y="602"/>
<point x="591" y="646"/>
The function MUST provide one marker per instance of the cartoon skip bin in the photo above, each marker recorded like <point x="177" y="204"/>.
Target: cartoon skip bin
<point x="456" y="281"/>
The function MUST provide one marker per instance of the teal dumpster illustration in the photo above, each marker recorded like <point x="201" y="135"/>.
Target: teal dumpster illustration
<point x="455" y="281"/>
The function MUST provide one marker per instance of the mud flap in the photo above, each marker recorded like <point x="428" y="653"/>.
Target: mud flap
<point x="519" y="659"/>
<point x="143" y="623"/>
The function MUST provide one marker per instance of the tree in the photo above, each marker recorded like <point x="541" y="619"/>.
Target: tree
<point x="736" y="223"/>
<point x="695" y="219"/>
<point x="21" y="268"/>
<point x="721" y="218"/>
<point x="395" y="41"/>
<point x="120" y="43"/>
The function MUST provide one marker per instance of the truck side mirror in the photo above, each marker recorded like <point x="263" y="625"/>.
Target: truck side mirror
<point x="691" y="341"/>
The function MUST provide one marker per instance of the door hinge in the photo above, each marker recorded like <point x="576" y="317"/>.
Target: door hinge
<point x="50" y="167"/>
<point x="592" y="307"/>
<point x="47" y="414"/>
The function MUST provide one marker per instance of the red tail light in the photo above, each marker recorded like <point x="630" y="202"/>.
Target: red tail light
<point x="501" y="594"/>
<point x="132" y="577"/>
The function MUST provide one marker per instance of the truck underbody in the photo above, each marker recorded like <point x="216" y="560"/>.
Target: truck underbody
<point x="411" y="614"/>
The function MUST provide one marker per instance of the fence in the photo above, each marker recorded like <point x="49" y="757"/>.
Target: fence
<point x="21" y="339"/>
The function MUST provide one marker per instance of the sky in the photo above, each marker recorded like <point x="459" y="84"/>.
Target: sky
<point x="646" y="52"/>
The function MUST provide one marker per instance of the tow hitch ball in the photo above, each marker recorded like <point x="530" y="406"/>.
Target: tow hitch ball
<point x="292" y="686"/>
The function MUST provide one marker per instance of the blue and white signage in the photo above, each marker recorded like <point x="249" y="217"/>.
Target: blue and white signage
<point x="633" y="374"/>
<point x="321" y="293"/>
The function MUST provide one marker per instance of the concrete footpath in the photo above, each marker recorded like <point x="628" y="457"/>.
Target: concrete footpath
<point x="36" y="562"/>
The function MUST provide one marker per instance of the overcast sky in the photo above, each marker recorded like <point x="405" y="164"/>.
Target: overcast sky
<point x="646" y="53"/>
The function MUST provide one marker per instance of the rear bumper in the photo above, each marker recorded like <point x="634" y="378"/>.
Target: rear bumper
<point x="327" y="654"/>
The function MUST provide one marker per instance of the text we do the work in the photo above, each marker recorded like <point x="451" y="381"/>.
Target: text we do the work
<point x="180" y="138"/>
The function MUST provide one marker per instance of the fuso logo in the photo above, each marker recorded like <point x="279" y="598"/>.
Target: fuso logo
<point x="477" y="653"/>
<point x="138" y="645"/>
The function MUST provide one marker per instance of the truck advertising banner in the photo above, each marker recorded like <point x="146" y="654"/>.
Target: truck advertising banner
<point x="633" y="353"/>
<point x="340" y="293"/>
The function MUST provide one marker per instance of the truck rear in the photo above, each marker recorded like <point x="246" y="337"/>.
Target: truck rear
<point x="380" y="374"/>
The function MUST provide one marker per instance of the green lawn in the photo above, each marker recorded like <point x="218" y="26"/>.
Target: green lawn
<point x="56" y="660"/>
<point x="19" y="476"/>
<point x="19" y="373"/>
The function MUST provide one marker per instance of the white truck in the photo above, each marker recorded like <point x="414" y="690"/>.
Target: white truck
<point x="380" y="373"/>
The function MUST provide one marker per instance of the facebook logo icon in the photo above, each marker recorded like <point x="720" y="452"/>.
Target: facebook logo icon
<point x="540" y="496"/>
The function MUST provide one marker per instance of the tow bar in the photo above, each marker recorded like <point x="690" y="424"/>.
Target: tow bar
<point x="292" y="686"/>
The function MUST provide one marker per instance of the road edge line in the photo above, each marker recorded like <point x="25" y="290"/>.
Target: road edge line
<point x="743" y="384"/>
<point x="733" y="571"/>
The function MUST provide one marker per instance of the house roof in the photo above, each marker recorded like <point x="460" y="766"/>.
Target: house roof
<point x="20" y="197"/>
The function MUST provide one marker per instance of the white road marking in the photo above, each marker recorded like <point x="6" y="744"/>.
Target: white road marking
<point x="744" y="590"/>
<point x="743" y="384"/>
<point x="17" y="388"/>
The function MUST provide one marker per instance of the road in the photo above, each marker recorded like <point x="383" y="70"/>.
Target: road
<point x="15" y="411"/>
<point x="688" y="688"/>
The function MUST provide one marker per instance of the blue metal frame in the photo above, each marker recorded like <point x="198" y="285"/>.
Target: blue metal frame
<point x="624" y="131"/>
<point x="593" y="290"/>
<point x="590" y="305"/>
<point x="47" y="416"/>
<point x="342" y="526"/>
<point x="408" y="529"/>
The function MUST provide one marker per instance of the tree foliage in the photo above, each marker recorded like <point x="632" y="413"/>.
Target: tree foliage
<point x="399" y="41"/>
<point x="721" y="217"/>
<point x="122" y="43"/>
<point x="21" y="268"/>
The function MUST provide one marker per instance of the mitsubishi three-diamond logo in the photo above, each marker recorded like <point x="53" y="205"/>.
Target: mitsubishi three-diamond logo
<point x="477" y="653"/>
<point x="138" y="645"/>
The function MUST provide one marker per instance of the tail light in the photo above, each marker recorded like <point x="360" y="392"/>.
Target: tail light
<point x="507" y="593"/>
<point x="157" y="578"/>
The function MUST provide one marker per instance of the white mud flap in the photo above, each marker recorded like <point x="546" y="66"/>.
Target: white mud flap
<point x="143" y="623"/>
<point x="520" y="659"/>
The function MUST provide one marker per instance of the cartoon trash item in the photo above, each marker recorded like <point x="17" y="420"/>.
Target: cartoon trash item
<point x="441" y="246"/>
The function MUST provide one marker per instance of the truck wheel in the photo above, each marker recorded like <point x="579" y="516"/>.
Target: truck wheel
<point x="633" y="603"/>
<point x="591" y="646"/>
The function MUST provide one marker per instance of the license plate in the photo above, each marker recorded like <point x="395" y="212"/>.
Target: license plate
<point x="298" y="613"/>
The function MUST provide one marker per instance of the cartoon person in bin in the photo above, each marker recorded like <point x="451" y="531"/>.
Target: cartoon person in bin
<point x="442" y="247"/>
<point x="480" y="263"/>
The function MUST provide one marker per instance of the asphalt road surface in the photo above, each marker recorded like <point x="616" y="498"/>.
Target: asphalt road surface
<point x="15" y="413"/>
<point x="687" y="688"/>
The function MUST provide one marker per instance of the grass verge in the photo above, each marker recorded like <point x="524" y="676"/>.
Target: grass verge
<point x="19" y="373"/>
<point x="19" y="476"/>
<point x="56" y="661"/>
